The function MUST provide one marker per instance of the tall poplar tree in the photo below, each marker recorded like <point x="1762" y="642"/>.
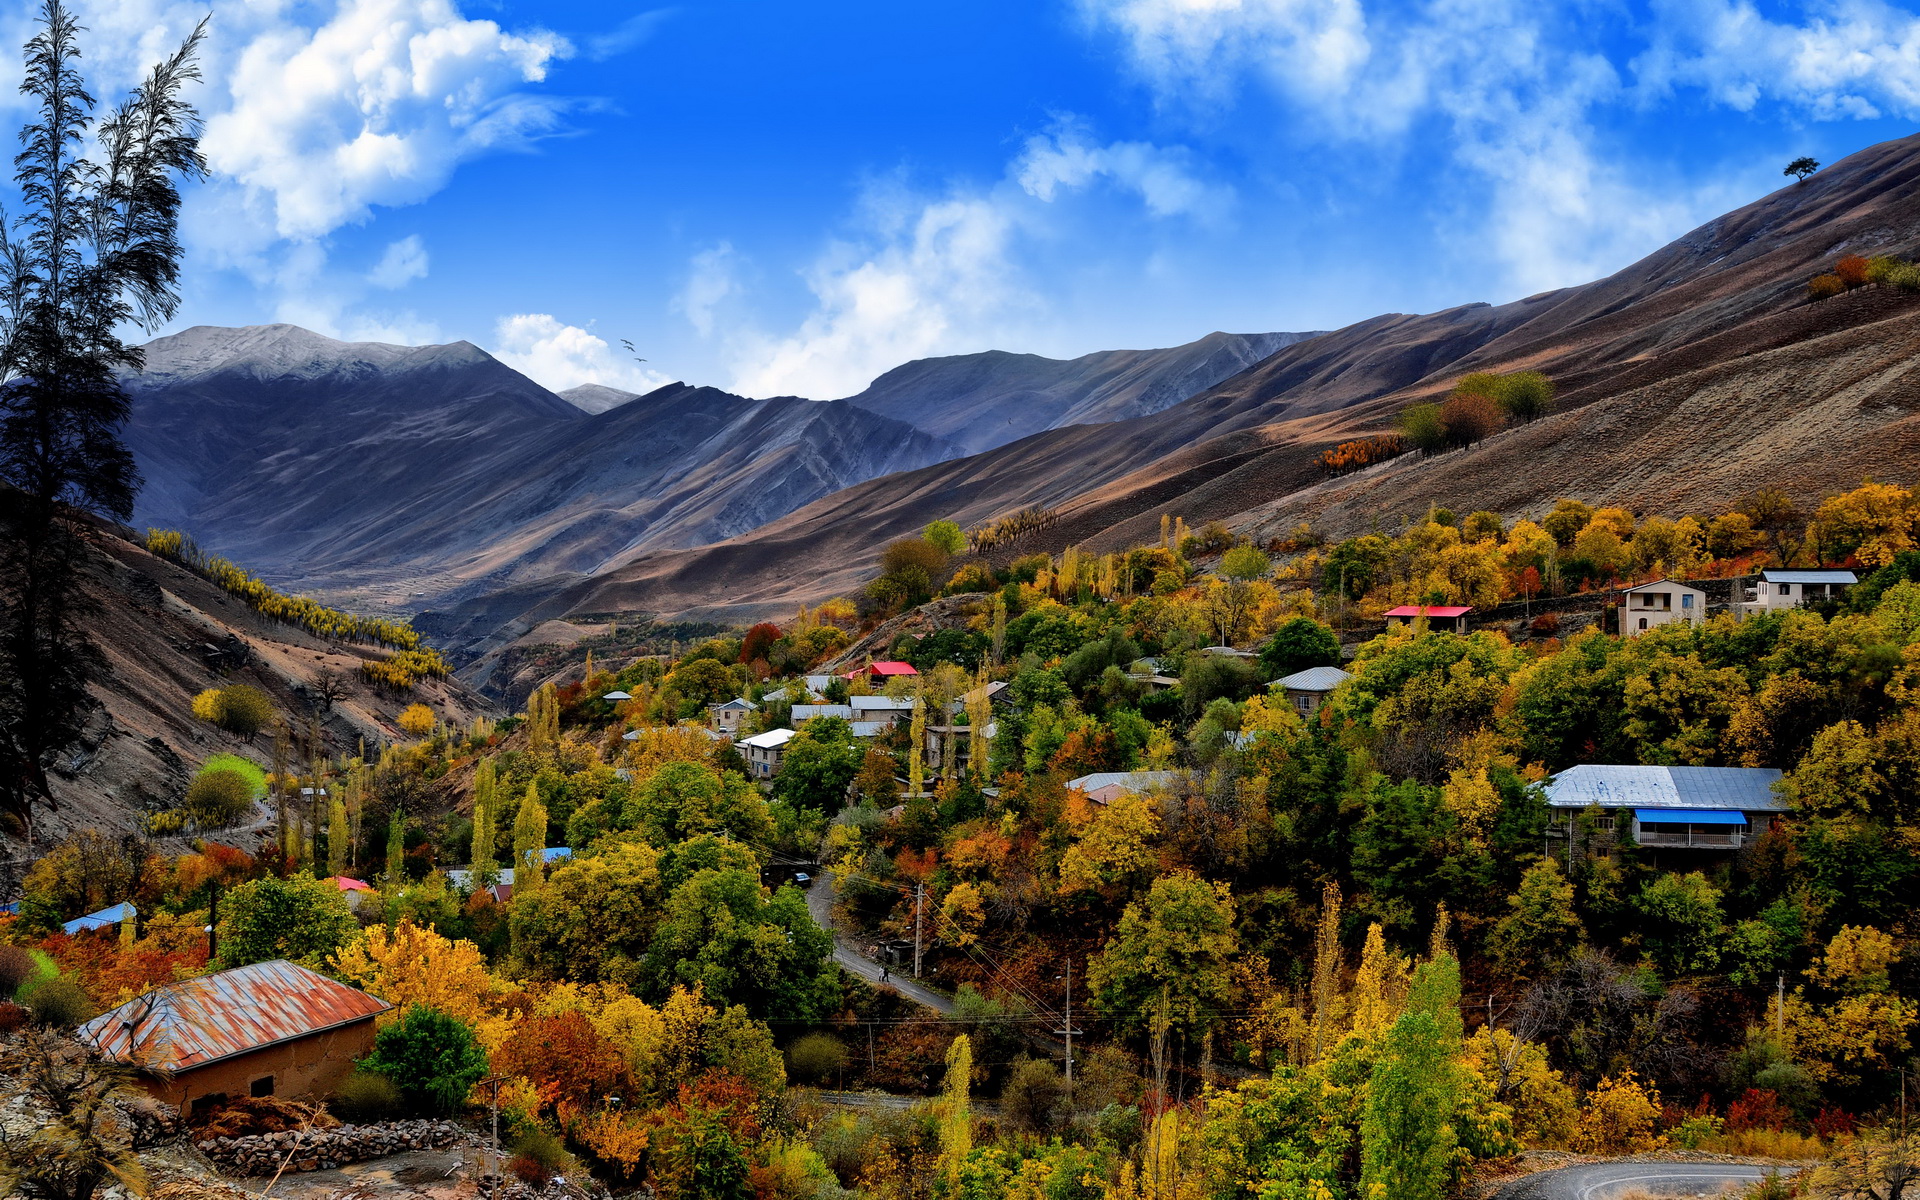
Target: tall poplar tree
<point x="485" y="783"/>
<point x="92" y="250"/>
<point x="529" y="844"/>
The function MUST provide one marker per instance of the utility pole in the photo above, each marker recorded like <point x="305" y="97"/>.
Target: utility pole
<point x="1068" y="1030"/>
<point x="919" y="895"/>
<point x="1780" y="1008"/>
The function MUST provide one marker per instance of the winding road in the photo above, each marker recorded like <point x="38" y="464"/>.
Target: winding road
<point x="1608" y="1181"/>
<point x="820" y="906"/>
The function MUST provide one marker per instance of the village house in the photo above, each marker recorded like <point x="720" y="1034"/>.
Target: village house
<point x="763" y="752"/>
<point x="266" y="1029"/>
<point x="1683" y="808"/>
<point x="880" y="709"/>
<point x="1776" y="589"/>
<point x="1442" y="618"/>
<point x="501" y="889"/>
<point x="1661" y="602"/>
<point x="880" y="672"/>
<point x="807" y="712"/>
<point x="725" y="718"/>
<point x="1307" y="690"/>
<point x="1104" y="787"/>
<point x="106" y="917"/>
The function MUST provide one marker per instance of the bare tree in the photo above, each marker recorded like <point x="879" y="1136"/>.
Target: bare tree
<point x="329" y="686"/>
<point x="80" y="1138"/>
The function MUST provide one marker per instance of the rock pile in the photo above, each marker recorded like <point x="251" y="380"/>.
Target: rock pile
<point x="325" y="1149"/>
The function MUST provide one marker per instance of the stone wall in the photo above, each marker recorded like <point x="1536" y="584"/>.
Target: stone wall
<point x="325" y="1149"/>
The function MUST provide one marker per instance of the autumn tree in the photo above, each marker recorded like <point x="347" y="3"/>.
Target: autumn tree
<point x="303" y="919"/>
<point x="486" y="785"/>
<point x="411" y="965"/>
<point x="1407" y="1138"/>
<point x="529" y="843"/>
<point x="1174" y="948"/>
<point x="80" y="1137"/>
<point x="1541" y="927"/>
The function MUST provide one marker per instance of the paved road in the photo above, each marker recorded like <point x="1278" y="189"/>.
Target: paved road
<point x="1610" y="1180"/>
<point x="820" y="904"/>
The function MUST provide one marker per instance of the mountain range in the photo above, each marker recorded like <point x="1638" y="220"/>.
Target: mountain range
<point x="438" y="477"/>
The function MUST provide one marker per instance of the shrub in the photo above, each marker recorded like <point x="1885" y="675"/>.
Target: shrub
<point x="1469" y="419"/>
<point x="529" y="1171"/>
<point x="16" y="967"/>
<point x="1696" y="1131"/>
<point x="1423" y="429"/>
<point x="1825" y="287"/>
<point x="432" y="1057"/>
<point x="816" y="1057"/>
<point x="416" y="720"/>
<point x="239" y="708"/>
<point x="1771" y="1188"/>
<point x="1546" y="623"/>
<point x="1354" y="455"/>
<point x="216" y="799"/>
<point x="365" y="1096"/>
<point x="1881" y="268"/>
<point x="13" y="1016"/>
<point x="1906" y="277"/>
<point x="1833" y="1123"/>
<point x="1852" y="270"/>
<point x="542" y="1148"/>
<point x="60" y="1002"/>
<point x="1620" y="1118"/>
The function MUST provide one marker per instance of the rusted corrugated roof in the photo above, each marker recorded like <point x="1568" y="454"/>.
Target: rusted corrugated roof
<point x="199" y="1021"/>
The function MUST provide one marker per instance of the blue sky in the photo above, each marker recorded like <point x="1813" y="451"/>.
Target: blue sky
<point x="783" y="198"/>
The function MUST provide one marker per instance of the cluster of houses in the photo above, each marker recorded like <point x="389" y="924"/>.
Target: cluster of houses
<point x="1664" y="601"/>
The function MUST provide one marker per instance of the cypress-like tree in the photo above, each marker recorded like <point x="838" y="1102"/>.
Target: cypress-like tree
<point x="338" y="839"/>
<point x="529" y="844"/>
<point x="93" y="249"/>
<point x="485" y="781"/>
<point x="396" y="851"/>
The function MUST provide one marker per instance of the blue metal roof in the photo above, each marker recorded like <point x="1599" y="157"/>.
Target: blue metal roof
<point x="1737" y="789"/>
<point x="1314" y="679"/>
<point x="1808" y="576"/>
<point x="1689" y="816"/>
<point x="101" y="919"/>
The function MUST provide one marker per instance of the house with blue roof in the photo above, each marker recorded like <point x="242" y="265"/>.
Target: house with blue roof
<point x="1777" y="589"/>
<point x="1688" y="808"/>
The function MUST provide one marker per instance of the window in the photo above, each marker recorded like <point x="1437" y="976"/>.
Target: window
<point x="1686" y="599"/>
<point x="1643" y="622"/>
<point x="1786" y="589"/>
<point x="262" y="1086"/>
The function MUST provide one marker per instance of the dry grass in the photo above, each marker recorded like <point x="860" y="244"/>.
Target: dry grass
<point x="1767" y="1143"/>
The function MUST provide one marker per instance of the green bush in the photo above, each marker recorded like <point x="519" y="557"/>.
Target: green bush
<point x="364" y="1097"/>
<point x="216" y="799"/>
<point x="16" y="967"/>
<point x="816" y="1058"/>
<point x="255" y="774"/>
<point x="543" y="1146"/>
<point x="1906" y="277"/>
<point x="60" y="1002"/>
<point x="432" y="1057"/>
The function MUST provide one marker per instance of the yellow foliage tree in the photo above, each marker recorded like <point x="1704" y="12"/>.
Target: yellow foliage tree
<point x="1518" y="1074"/>
<point x="413" y="965"/>
<point x="962" y="914"/>
<point x="1116" y="844"/>
<point x="1379" y="986"/>
<point x="1622" y="1116"/>
<point x="416" y="720"/>
<point x="1874" y="522"/>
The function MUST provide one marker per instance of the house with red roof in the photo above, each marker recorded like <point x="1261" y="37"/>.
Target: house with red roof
<point x="1447" y="618"/>
<point x="880" y="672"/>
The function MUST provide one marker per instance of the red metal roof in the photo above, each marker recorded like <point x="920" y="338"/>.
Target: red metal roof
<point x="1430" y="610"/>
<point x="349" y="885"/>
<point x="199" y="1021"/>
<point x="892" y="668"/>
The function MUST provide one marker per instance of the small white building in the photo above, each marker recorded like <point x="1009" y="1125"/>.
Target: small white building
<point x="880" y="708"/>
<point x="1661" y="602"/>
<point x="726" y="717"/>
<point x="807" y="712"/>
<point x="1778" y="589"/>
<point x="1307" y="690"/>
<point x="763" y="752"/>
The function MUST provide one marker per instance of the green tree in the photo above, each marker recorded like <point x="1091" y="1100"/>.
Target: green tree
<point x="683" y="800"/>
<point x="486" y="784"/>
<point x="216" y="799"/>
<point x="718" y="933"/>
<point x="947" y="535"/>
<point x="339" y="837"/>
<point x="529" y="843"/>
<point x="594" y="919"/>
<point x="1178" y="943"/>
<point x="1245" y="562"/>
<point x="302" y="919"/>
<point x="1301" y="643"/>
<point x="396" y="872"/>
<point x="1682" y="925"/>
<point x="1408" y="1140"/>
<point x="97" y="254"/>
<point x="1541" y="927"/>
<point x="1422" y="426"/>
<point x="1525" y="395"/>
<point x="818" y="767"/>
<point x="433" y="1058"/>
<point x="1802" y="167"/>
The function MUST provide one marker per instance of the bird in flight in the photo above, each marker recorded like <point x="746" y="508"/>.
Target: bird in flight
<point x="629" y="346"/>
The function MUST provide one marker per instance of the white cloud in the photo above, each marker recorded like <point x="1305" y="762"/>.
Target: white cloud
<point x="933" y="276"/>
<point x="560" y="356"/>
<point x="630" y="33"/>
<point x="1857" y="59"/>
<point x="1304" y="47"/>
<point x="375" y="106"/>
<point x="1066" y="158"/>
<point x="929" y="274"/>
<point x="711" y="281"/>
<point x="404" y="262"/>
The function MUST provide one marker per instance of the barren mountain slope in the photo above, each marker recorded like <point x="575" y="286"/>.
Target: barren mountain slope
<point x="1730" y="289"/>
<point x="166" y="634"/>
<point x="981" y="401"/>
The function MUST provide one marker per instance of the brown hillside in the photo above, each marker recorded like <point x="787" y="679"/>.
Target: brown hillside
<point x="155" y="623"/>
<point x="1655" y="378"/>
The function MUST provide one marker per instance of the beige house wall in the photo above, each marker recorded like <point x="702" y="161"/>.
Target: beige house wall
<point x="1660" y="604"/>
<point x="311" y="1066"/>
